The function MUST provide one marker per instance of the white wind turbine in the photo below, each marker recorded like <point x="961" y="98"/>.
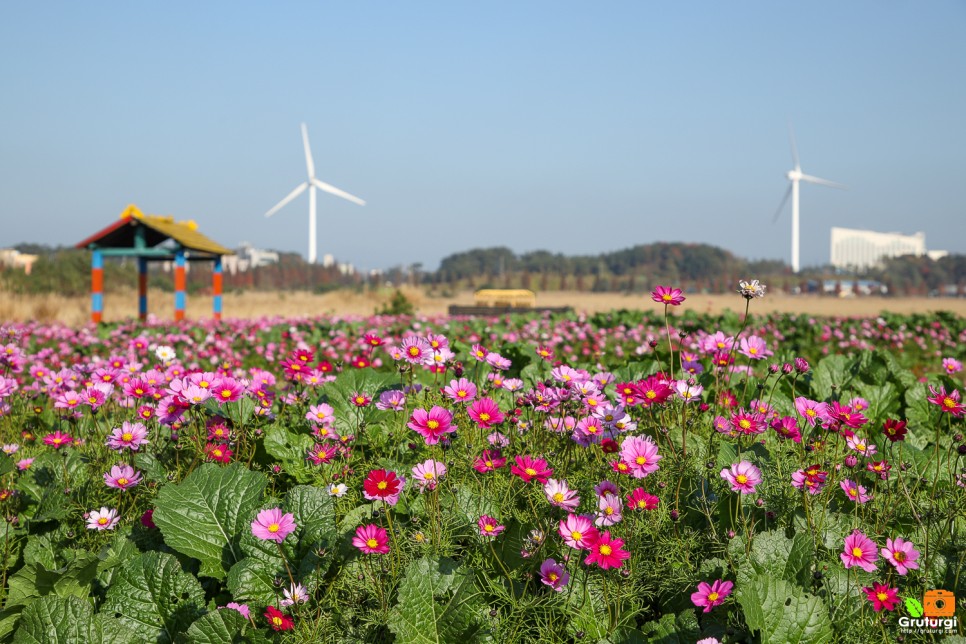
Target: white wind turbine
<point x="312" y="183"/>
<point x="795" y="175"/>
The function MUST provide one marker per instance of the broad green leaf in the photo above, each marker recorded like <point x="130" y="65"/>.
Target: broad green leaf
<point x="774" y="555"/>
<point x="674" y="629"/>
<point x="250" y="580"/>
<point x="437" y="603"/>
<point x="883" y="400"/>
<point x="783" y="612"/>
<point x="154" y="597"/>
<point x="587" y="610"/>
<point x="314" y="513"/>
<point x="34" y="580"/>
<point x="151" y="466"/>
<point x="68" y="620"/>
<point x="223" y="626"/>
<point x="830" y="376"/>
<point x="204" y="515"/>
<point x="41" y="549"/>
<point x="291" y="450"/>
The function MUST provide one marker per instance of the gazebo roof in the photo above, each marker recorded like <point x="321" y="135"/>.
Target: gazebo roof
<point x="156" y="230"/>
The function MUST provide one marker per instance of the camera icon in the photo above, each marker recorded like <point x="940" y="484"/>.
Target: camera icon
<point x="939" y="603"/>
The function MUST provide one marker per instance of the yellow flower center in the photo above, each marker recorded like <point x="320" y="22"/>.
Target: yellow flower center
<point x="484" y="417"/>
<point x="744" y="423"/>
<point x="414" y="351"/>
<point x="713" y="597"/>
<point x="641" y="460"/>
<point x="461" y="394"/>
<point x="433" y="424"/>
<point x="899" y="556"/>
<point x="882" y="596"/>
<point x="949" y="402"/>
<point x="126" y="436"/>
<point x="382" y="485"/>
<point x="488" y="527"/>
<point x="856" y="552"/>
<point x="741" y="478"/>
<point x="274" y="528"/>
<point x="429" y="476"/>
<point x="667" y="297"/>
<point x="102" y="521"/>
<point x="608" y="510"/>
<point x="122" y="481"/>
<point x="530" y="471"/>
<point x="606" y="550"/>
<point x="553" y="577"/>
<point x="576" y="536"/>
<point x="372" y="543"/>
<point x="558" y="497"/>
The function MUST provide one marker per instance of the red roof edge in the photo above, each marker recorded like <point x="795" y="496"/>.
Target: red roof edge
<point x="103" y="233"/>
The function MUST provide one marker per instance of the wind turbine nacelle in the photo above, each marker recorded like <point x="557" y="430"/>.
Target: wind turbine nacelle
<point x="794" y="175"/>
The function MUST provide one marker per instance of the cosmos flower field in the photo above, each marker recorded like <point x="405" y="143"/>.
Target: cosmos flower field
<point x="649" y="475"/>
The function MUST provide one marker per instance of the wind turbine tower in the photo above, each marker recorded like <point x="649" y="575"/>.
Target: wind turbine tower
<point x="312" y="183"/>
<point x="796" y="176"/>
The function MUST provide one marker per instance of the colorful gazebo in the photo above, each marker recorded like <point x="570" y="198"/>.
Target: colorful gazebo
<point x="143" y="237"/>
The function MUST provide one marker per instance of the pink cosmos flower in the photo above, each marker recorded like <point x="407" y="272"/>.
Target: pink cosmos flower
<point x="854" y="491"/>
<point x="103" y="519"/>
<point x="882" y="596"/>
<point x="431" y="424"/>
<point x="667" y="295"/>
<point x="561" y="496"/>
<point x="371" y="539"/>
<point x="460" y="390"/>
<point x="949" y="403"/>
<point x="578" y="531"/>
<point x="485" y="413"/>
<point x="711" y="596"/>
<point x="58" y="439"/>
<point x="489" y="527"/>
<point x="24" y="464"/>
<point x="859" y="551"/>
<point x="322" y="453"/>
<point x="428" y="473"/>
<point x="122" y="477"/>
<point x="860" y="445"/>
<point x="392" y="400"/>
<point x="813" y="412"/>
<point x="241" y="608"/>
<point x="479" y="352"/>
<point x="640" y="455"/>
<point x="227" y="389"/>
<point x="273" y="525"/>
<point x="129" y="435"/>
<point x="641" y="500"/>
<point x="742" y="476"/>
<point x="787" y="427"/>
<point x="554" y="575"/>
<point x="606" y="552"/>
<point x="322" y="414"/>
<point x="952" y="365"/>
<point x="901" y="554"/>
<point x="748" y="422"/>
<point x="846" y="415"/>
<point x="529" y="468"/>
<point x="489" y="461"/>
<point x="609" y="510"/>
<point x="754" y="348"/>
<point x="415" y="350"/>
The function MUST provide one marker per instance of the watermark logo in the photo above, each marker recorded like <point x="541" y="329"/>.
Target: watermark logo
<point x="935" y="614"/>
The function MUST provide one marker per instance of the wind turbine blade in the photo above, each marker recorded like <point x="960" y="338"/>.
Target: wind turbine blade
<point x="823" y="182"/>
<point x="332" y="190"/>
<point x="791" y="138"/>
<point x="781" y="206"/>
<point x="292" y="195"/>
<point x="309" y="164"/>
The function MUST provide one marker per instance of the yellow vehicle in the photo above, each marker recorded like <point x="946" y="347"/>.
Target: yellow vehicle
<point x="505" y="298"/>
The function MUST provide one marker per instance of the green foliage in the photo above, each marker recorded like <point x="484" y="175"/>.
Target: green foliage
<point x="69" y="620"/>
<point x="398" y="304"/>
<point x="782" y="611"/>
<point x="224" y="626"/>
<point x="437" y="604"/>
<point x="205" y="515"/>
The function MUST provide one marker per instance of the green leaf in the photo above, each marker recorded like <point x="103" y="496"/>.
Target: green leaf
<point x="34" y="581"/>
<point x="437" y="603"/>
<point x="291" y="450"/>
<point x="674" y="629"/>
<point x="154" y="597"/>
<point x="914" y="607"/>
<point x="774" y="555"/>
<point x="223" y="626"/>
<point x="67" y="620"/>
<point x="250" y="580"/>
<point x="830" y="375"/>
<point x="314" y="513"/>
<point x="151" y="466"/>
<point x="783" y="612"/>
<point x="204" y="515"/>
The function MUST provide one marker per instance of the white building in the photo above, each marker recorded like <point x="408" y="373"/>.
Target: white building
<point x="862" y="249"/>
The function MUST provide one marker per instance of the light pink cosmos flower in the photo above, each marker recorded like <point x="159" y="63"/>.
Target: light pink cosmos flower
<point x="489" y="527"/>
<point x="322" y="414"/>
<point x="24" y="464"/>
<point x="273" y="525"/>
<point x="103" y="519"/>
<point x="859" y="551"/>
<point x="296" y="594"/>
<point x="122" y="477"/>
<point x="861" y="446"/>
<point x="710" y="596"/>
<point x="854" y="491"/>
<point x="640" y="455"/>
<point x="952" y="365"/>
<point x="391" y="400"/>
<point x="554" y="575"/>
<point x="609" y="510"/>
<point x="560" y="495"/>
<point x="742" y="476"/>
<point x="241" y="608"/>
<point x="428" y="473"/>
<point x="415" y="350"/>
<point x="128" y="435"/>
<point x="813" y="412"/>
<point x="578" y="531"/>
<point x="755" y="348"/>
<point x="901" y="554"/>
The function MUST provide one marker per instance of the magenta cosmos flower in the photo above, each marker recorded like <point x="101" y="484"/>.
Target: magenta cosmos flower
<point x="431" y="424"/>
<point x="578" y="531"/>
<point x="58" y="439"/>
<point x="882" y="596"/>
<point x="371" y="539"/>
<point x="640" y="455"/>
<point x="273" y="525"/>
<point x="485" y="413"/>
<point x="554" y="575"/>
<point x="854" y="491"/>
<point x="529" y="469"/>
<point x="460" y="390"/>
<point x="489" y="527"/>
<point x="901" y="554"/>
<point x="103" y="519"/>
<point x="742" y="476"/>
<point x="641" y="500"/>
<point x="128" y="435"/>
<point x="859" y="551"/>
<point x="606" y="552"/>
<point x="122" y="477"/>
<point x="710" y="596"/>
<point x="667" y="295"/>
<point x="950" y="403"/>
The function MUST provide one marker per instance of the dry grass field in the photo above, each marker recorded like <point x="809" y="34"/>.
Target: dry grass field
<point x="118" y="306"/>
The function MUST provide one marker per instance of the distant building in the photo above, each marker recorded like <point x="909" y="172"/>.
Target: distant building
<point x="13" y="258"/>
<point x="247" y="257"/>
<point x="863" y="249"/>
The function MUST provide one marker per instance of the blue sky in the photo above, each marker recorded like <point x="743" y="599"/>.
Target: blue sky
<point x="573" y="127"/>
